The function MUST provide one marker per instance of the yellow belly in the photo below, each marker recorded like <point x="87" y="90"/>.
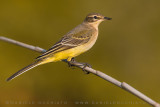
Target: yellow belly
<point x="67" y="54"/>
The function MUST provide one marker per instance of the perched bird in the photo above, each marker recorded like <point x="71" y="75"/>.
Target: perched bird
<point x="75" y="42"/>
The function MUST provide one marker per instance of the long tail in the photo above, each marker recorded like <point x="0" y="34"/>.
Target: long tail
<point x="23" y="70"/>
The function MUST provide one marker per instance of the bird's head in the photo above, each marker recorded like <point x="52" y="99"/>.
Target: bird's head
<point x="95" y="19"/>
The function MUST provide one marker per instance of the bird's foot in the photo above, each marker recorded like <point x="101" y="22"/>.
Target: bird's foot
<point x="71" y="64"/>
<point x="84" y="66"/>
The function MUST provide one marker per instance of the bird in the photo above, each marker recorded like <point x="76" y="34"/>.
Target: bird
<point x="75" y="42"/>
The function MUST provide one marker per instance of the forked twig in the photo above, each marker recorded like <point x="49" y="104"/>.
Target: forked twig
<point x="122" y="85"/>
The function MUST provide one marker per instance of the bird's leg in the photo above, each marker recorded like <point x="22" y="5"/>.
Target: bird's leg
<point x="70" y="62"/>
<point x="84" y="66"/>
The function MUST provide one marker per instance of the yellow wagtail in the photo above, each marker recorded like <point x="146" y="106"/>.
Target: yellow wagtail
<point x="75" y="42"/>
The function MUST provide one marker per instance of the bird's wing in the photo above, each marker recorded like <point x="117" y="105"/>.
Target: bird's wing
<point x="70" y="40"/>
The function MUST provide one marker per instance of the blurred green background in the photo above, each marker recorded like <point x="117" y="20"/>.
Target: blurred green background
<point x="128" y="49"/>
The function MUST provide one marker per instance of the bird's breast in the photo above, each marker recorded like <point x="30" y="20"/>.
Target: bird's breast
<point x="92" y="41"/>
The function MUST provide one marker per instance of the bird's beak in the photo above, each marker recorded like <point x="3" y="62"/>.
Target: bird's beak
<point x="107" y="18"/>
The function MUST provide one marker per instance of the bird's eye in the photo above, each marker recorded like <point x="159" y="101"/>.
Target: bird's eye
<point x="95" y="17"/>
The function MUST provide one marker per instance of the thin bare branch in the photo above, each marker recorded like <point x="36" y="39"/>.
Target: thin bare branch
<point x="122" y="85"/>
<point x="34" y="48"/>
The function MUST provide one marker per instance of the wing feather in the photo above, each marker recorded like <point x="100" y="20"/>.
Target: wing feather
<point x="70" y="40"/>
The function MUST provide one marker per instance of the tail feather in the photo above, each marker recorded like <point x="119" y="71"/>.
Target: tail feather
<point x="23" y="70"/>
